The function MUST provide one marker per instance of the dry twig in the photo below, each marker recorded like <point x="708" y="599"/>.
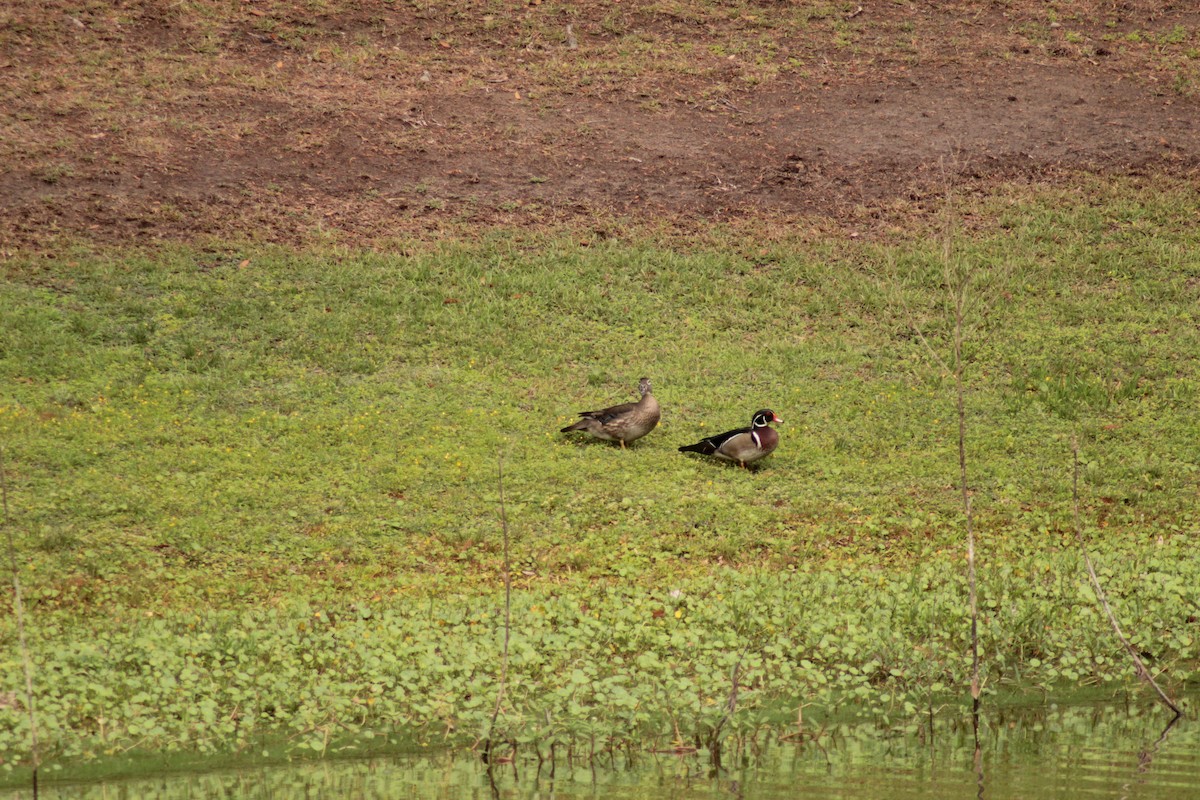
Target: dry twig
<point x="1138" y="664"/>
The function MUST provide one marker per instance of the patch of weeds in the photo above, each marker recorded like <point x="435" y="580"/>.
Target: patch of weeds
<point x="54" y="172"/>
<point x="57" y="540"/>
<point x="1186" y="82"/>
<point x="635" y="665"/>
<point x="1177" y="35"/>
<point x="615" y="23"/>
<point x="843" y="34"/>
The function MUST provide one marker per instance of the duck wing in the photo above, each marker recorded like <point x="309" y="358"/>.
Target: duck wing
<point x="714" y="444"/>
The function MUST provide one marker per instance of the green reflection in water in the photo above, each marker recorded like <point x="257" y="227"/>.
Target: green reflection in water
<point x="1093" y="750"/>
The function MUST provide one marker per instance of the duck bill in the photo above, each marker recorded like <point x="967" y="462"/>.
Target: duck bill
<point x="776" y="418"/>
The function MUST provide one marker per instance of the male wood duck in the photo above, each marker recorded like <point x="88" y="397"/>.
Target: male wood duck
<point x="742" y="445"/>
<point x="622" y="423"/>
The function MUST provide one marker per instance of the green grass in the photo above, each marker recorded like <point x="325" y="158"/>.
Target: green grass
<point x="270" y="476"/>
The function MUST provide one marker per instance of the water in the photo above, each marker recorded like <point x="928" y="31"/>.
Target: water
<point x="1087" y="751"/>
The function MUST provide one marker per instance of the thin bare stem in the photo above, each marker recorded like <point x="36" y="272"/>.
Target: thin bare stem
<point x="960" y="292"/>
<point x="957" y="280"/>
<point x="487" y="749"/>
<point x="19" y="605"/>
<point x="1138" y="664"/>
<point x="960" y="398"/>
<point x="729" y="711"/>
<point x="958" y="283"/>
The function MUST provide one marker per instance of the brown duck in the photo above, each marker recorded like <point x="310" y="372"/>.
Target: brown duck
<point x="741" y="445"/>
<point x="622" y="423"/>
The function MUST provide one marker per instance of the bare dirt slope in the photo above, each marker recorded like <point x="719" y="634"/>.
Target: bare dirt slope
<point x="284" y="121"/>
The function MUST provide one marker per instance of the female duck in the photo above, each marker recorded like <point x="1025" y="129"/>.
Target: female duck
<point x="622" y="423"/>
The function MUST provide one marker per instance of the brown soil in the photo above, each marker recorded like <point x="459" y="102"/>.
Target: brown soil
<point x="288" y="122"/>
